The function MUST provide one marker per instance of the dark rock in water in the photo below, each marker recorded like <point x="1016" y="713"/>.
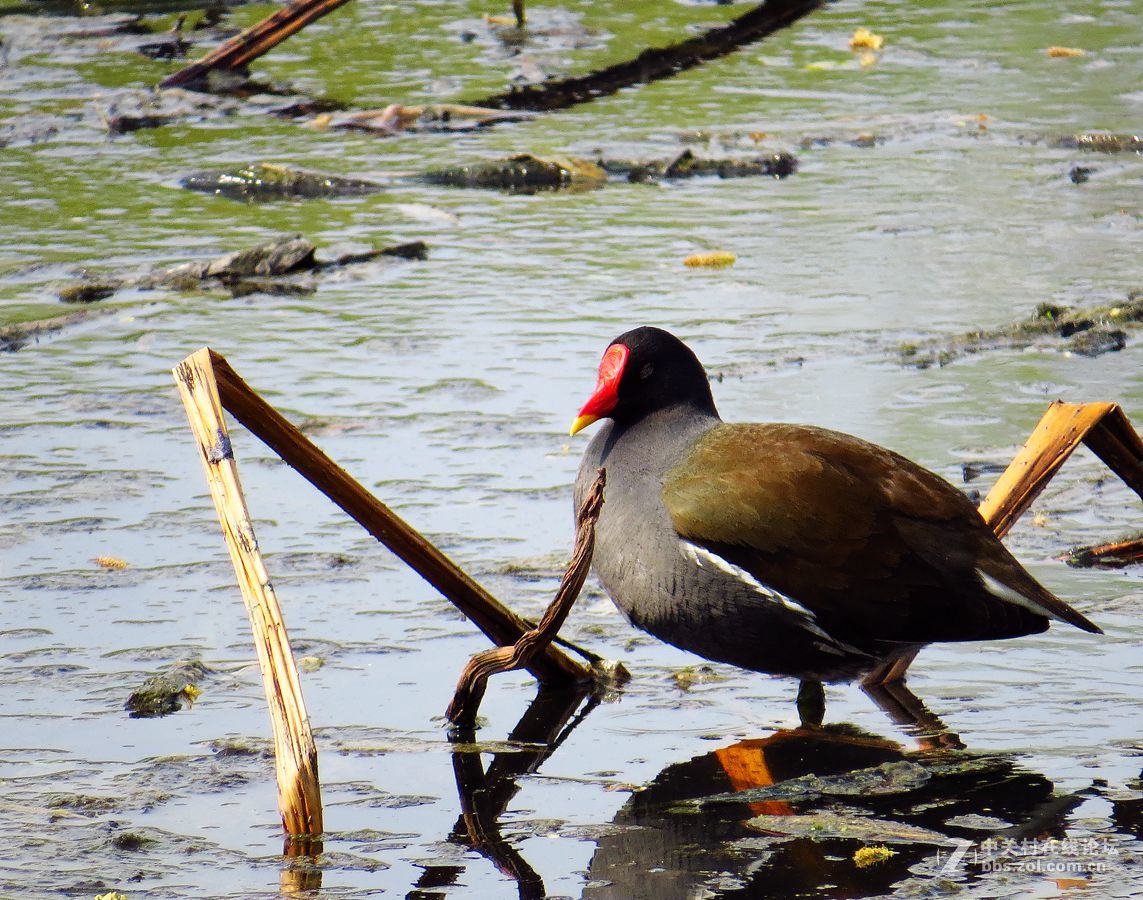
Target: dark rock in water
<point x="522" y="173"/>
<point x="1088" y="331"/>
<point x="131" y="841"/>
<point x="272" y="267"/>
<point x="277" y="257"/>
<point x="1079" y="174"/>
<point x="1101" y="142"/>
<point x="408" y="250"/>
<point x="243" y="287"/>
<point x="167" y="692"/>
<point x="687" y="165"/>
<point x="1097" y="341"/>
<point x="265" y="181"/>
<point x="88" y="291"/>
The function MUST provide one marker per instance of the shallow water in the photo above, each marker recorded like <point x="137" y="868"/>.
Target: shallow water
<point x="446" y="386"/>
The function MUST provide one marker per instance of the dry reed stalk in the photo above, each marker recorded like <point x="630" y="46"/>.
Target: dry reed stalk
<point x="500" y="624"/>
<point x="1102" y="426"/>
<point x="295" y="754"/>
<point x="256" y="40"/>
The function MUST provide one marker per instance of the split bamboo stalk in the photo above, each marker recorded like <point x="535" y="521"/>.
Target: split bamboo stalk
<point x="500" y="624"/>
<point x="295" y="754"/>
<point x="1102" y="426"/>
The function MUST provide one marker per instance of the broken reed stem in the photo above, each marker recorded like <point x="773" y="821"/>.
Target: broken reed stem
<point x="1115" y="555"/>
<point x="473" y="680"/>
<point x="1102" y="426"/>
<point x="255" y="41"/>
<point x="500" y="624"/>
<point x="295" y="754"/>
<point x="654" y="63"/>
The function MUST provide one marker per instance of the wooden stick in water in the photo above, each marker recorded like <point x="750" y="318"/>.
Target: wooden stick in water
<point x="295" y="754"/>
<point x="256" y="40"/>
<point x="1102" y="426"/>
<point x="500" y="624"/>
<point x="470" y="687"/>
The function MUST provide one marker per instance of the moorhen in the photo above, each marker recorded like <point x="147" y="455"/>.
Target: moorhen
<point x="786" y="549"/>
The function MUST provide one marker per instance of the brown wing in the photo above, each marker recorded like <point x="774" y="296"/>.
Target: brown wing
<point x="875" y="546"/>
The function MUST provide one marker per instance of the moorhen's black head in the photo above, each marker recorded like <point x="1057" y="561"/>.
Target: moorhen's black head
<point x="642" y="371"/>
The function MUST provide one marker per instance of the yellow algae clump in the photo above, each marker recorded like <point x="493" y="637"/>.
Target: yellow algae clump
<point x="864" y="39"/>
<point x="714" y="260"/>
<point x="110" y="562"/>
<point x="1064" y="52"/>
<point x="871" y="856"/>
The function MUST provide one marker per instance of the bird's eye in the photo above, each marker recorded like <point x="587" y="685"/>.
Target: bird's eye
<point x="646" y="371"/>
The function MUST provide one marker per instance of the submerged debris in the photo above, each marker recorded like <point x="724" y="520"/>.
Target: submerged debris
<point x="268" y="181"/>
<point x="1117" y="555"/>
<point x="167" y="692"/>
<point x="687" y="165"/>
<point x="15" y="337"/>
<point x="1100" y="142"/>
<point x="857" y="826"/>
<point x="1087" y="331"/>
<point x="130" y="111"/>
<point x="522" y="173"/>
<point x="277" y="266"/>
<point x="89" y="291"/>
<point x="396" y="118"/>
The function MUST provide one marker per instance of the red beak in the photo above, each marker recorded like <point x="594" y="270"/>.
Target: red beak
<point x="606" y="394"/>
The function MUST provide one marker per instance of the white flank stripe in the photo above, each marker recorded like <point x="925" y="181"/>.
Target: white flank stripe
<point x="1000" y="590"/>
<point x="700" y="555"/>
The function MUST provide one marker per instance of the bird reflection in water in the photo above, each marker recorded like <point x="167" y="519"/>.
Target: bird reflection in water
<point x="777" y="816"/>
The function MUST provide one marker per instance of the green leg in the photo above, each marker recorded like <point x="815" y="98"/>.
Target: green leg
<point x="811" y="703"/>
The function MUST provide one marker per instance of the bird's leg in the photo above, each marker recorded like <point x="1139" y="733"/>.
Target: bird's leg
<point x="811" y="703"/>
<point x="518" y="9"/>
<point x="892" y="672"/>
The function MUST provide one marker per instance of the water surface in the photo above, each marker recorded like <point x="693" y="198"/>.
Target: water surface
<point x="447" y="385"/>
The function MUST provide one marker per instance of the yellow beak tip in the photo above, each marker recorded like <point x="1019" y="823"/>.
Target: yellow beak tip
<point x="581" y="423"/>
